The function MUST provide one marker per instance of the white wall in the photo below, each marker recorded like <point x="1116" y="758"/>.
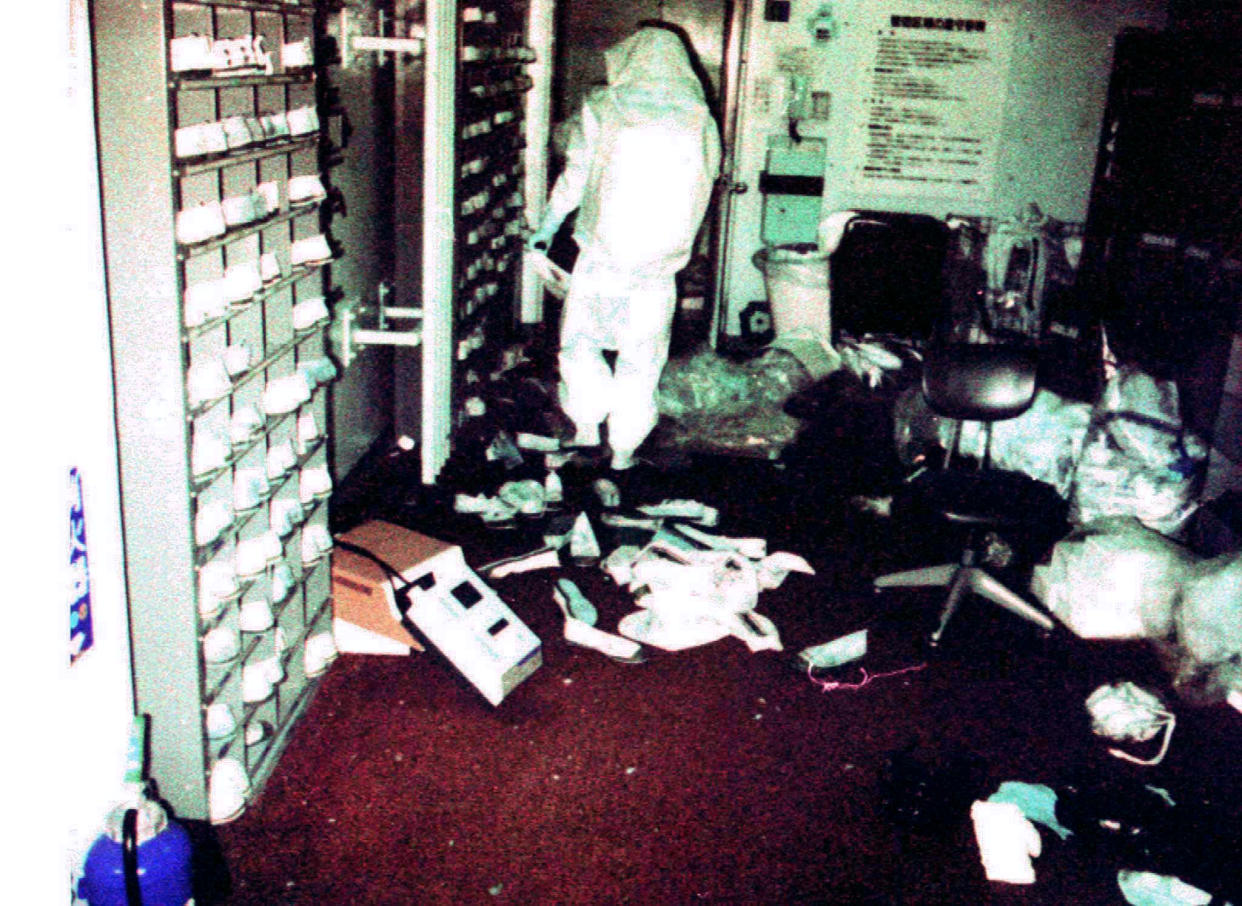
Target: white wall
<point x="99" y="695"/>
<point x="1050" y="109"/>
<point x="65" y="728"/>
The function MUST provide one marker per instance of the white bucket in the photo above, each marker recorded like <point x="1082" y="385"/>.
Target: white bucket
<point x="796" y="279"/>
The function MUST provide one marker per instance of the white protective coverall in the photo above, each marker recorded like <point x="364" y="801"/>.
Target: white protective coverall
<point x="641" y="161"/>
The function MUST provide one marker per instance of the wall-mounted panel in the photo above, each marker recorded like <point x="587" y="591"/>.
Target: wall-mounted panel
<point x="1027" y="92"/>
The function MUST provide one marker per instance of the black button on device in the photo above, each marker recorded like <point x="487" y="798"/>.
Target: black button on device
<point x="776" y="11"/>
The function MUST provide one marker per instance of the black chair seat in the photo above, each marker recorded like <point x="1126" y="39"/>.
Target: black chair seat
<point x="989" y="499"/>
<point x="982" y="383"/>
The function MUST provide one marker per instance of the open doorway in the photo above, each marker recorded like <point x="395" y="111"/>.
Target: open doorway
<point x="584" y="30"/>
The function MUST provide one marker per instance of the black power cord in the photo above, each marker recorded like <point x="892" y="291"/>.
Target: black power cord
<point x="401" y="591"/>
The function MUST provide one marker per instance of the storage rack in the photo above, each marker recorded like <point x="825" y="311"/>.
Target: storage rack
<point x="217" y="280"/>
<point x="1161" y="261"/>
<point x="491" y="138"/>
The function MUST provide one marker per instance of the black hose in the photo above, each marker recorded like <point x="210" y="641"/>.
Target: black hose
<point x="129" y="857"/>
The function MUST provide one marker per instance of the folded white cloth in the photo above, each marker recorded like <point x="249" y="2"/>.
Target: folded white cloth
<point x="1007" y="842"/>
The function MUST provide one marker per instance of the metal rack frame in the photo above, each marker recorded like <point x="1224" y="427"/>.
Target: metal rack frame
<point x="141" y="103"/>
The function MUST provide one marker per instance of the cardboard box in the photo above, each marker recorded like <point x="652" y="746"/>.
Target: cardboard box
<point x="362" y="593"/>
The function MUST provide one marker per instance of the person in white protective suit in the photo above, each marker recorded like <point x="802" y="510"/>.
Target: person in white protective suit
<point x="641" y="162"/>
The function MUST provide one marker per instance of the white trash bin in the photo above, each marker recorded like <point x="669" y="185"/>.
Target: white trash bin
<point x="796" y="279"/>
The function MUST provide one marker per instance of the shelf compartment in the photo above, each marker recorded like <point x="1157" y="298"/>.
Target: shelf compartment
<point x="256" y="369"/>
<point x="276" y="744"/>
<point x="262" y="6"/>
<point x="211" y="83"/>
<point x="208" y="551"/>
<point x="248" y="647"/>
<point x="200" y="483"/>
<point x="187" y="251"/>
<point x="306" y="142"/>
<point x="298" y="273"/>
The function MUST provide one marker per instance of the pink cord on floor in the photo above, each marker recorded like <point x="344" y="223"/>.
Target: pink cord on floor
<point x="830" y="686"/>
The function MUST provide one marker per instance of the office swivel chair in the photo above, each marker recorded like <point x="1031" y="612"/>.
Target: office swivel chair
<point x="983" y="383"/>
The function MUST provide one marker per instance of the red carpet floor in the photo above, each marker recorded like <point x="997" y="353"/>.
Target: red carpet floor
<point x="712" y="775"/>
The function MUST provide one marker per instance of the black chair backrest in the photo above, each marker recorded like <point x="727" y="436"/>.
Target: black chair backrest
<point x="887" y="274"/>
<point x="979" y="382"/>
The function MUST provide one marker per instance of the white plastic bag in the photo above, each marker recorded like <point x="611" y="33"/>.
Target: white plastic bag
<point x="1044" y="442"/>
<point x="1114" y="580"/>
<point x="1138" y="460"/>
<point x="1209" y="617"/>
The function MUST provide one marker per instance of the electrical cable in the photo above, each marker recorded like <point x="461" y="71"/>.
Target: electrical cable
<point x="832" y="686"/>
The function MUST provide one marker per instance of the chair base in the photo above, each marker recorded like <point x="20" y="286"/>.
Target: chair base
<point x="962" y="579"/>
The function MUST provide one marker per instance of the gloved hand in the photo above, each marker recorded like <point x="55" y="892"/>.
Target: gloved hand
<point x="541" y="238"/>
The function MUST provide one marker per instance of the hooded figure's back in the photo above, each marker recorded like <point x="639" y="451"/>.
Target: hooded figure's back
<point x="654" y="154"/>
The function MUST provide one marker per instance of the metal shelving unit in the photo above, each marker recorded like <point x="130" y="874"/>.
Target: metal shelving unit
<point x="166" y="423"/>
<point x="492" y="83"/>
<point x="489" y="175"/>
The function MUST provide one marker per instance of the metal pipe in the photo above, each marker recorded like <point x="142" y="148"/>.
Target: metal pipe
<point x="399" y="314"/>
<point x="733" y="78"/>
<point x="440" y="165"/>
<point x="386" y="337"/>
<point x="542" y="38"/>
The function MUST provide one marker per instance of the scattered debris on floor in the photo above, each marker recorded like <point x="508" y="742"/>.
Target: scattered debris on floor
<point x="1007" y="842"/>
<point x="1146" y="888"/>
<point x="1140" y="828"/>
<point x="1126" y="713"/>
<point x="840" y="652"/>
<point x="580" y="617"/>
<point x="1154" y="842"/>
<point x="1036" y="801"/>
<point x="1127" y="466"/>
<point x="867" y="678"/>
<point x="691" y="587"/>
<point x="836" y="652"/>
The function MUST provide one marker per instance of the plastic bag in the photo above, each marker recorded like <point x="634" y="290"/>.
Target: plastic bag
<point x="1114" y="580"/>
<point x="717" y="404"/>
<point x="1126" y="712"/>
<point x="1137" y="459"/>
<point x="916" y="429"/>
<point x="796" y="280"/>
<point x="1045" y="442"/>
<point x="1209" y="616"/>
<point x="708" y="383"/>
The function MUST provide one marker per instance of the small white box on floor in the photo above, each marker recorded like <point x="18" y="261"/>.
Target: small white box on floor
<point x="447" y="602"/>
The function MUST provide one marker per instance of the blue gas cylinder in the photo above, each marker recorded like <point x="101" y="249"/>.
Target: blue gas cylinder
<point x="143" y="857"/>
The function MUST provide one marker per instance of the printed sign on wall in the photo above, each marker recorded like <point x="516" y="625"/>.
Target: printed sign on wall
<point x="81" y="634"/>
<point x="934" y="103"/>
